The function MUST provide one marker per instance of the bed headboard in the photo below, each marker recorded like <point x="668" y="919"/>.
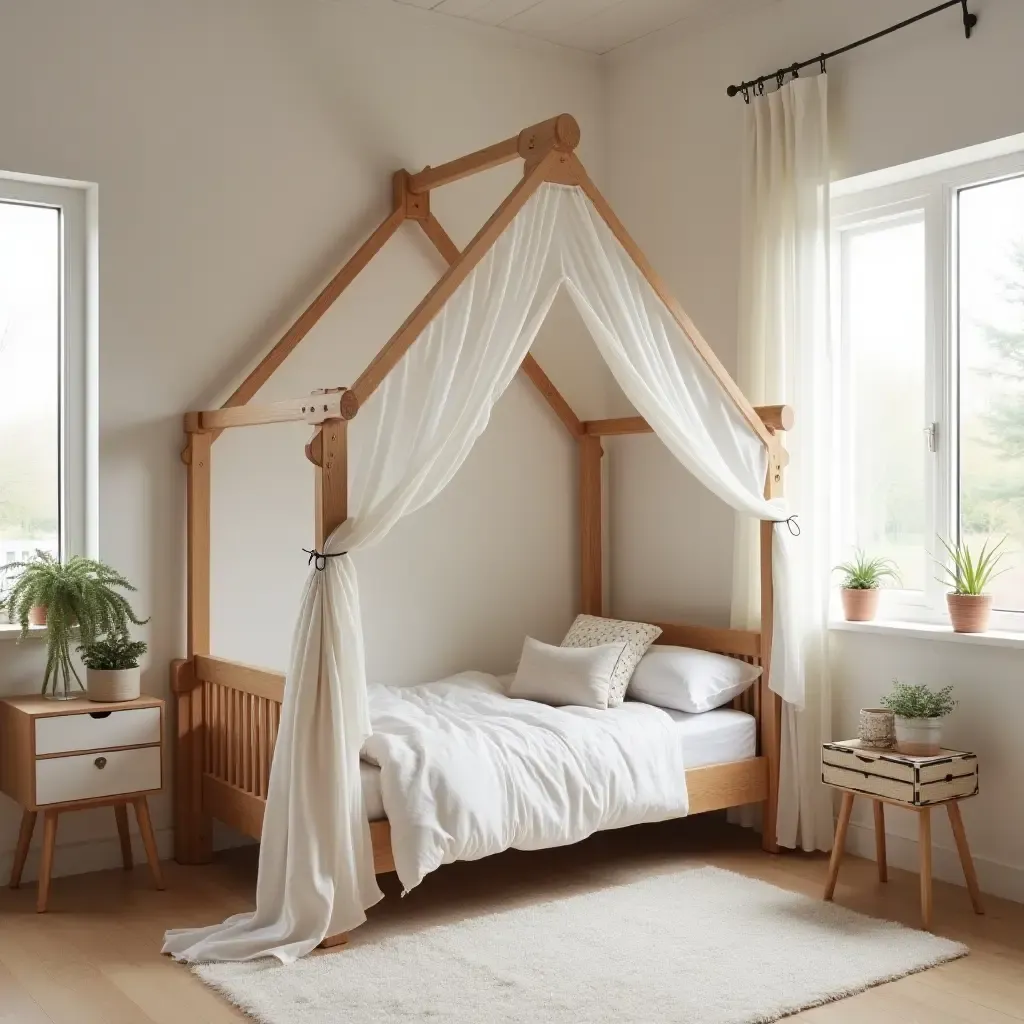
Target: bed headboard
<point x="737" y="643"/>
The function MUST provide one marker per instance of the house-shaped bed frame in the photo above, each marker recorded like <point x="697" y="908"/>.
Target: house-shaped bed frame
<point x="228" y="713"/>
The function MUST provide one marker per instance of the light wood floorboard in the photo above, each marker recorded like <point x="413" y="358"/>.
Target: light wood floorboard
<point x="95" y="956"/>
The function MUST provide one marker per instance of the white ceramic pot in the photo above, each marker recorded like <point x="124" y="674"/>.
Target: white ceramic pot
<point x="919" y="737"/>
<point x="112" y="685"/>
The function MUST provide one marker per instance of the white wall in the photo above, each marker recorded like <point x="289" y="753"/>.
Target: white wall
<point x="242" y="148"/>
<point x="674" y="176"/>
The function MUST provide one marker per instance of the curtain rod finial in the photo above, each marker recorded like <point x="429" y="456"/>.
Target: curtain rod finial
<point x="732" y="90"/>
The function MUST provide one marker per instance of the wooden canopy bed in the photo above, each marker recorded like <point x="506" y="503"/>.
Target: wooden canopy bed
<point x="228" y="713"/>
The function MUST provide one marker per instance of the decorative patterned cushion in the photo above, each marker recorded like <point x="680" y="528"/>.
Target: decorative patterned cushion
<point x="592" y="631"/>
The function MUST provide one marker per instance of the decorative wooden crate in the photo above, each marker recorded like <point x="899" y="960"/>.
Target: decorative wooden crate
<point x="915" y="781"/>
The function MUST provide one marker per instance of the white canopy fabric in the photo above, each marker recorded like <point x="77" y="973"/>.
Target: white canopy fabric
<point x="316" y="873"/>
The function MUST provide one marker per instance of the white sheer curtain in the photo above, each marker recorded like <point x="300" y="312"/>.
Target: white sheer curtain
<point x="316" y="873"/>
<point x="316" y="865"/>
<point x="785" y="356"/>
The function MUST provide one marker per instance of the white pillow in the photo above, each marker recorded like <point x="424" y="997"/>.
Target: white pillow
<point x="687" y="680"/>
<point x="566" y="675"/>
<point x="592" y="630"/>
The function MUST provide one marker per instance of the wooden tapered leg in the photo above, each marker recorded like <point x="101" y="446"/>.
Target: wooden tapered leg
<point x="924" y="841"/>
<point x="960" y="835"/>
<point x="883" y="867"/>
<point x="837" y="846"/>
<point x="121" y="816"/>
<point x="148" y="839"/>
<point x="46" y="864"/>
<point x="334" y="940"/>
<point x="28" y="824"/>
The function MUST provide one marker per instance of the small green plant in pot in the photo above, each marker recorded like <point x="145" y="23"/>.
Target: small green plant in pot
<point x="919" y="712"/>
<point x="112" y="668"/>
<point x="969" y="604"/>
<point x="81" y="597"/>
<point x="862" y="580"/>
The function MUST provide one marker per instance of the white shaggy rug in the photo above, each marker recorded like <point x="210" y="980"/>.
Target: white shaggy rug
<point x="701" y="946"/>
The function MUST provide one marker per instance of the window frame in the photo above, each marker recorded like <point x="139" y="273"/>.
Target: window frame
<point x="78" y="363"/>
<point x="858" y="206"/>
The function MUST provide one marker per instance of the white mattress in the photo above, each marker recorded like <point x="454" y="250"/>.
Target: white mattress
<point x="714" y="737"/>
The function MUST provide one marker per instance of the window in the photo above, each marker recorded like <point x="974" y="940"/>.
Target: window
<point x="44" y="435"/>
<point x="928" y="306"/>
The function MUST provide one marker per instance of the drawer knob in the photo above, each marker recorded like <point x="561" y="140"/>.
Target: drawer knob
<point x="100" y="762"/>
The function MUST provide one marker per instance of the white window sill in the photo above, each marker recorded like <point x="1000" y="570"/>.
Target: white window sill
<point x="11" y="632"/>
<point x="929" y="631"/>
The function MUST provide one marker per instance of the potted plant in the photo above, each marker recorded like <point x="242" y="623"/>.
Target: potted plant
<point x="112" y="668"/>
<point x="80" y="595"/>
<point x="862" y="578"/>
<point x="968" y="603"/>
<point x="919" y="712"/>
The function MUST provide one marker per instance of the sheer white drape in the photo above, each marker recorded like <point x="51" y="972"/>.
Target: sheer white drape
<point x="316" y="873"/>
<point x="316" y="865"/>
<point x="785" y="356"/>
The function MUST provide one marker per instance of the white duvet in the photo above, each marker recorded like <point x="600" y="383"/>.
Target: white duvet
<point x="467" y="772"/>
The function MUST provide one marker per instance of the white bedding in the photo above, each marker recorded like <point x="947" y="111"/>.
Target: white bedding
<point x="714" y="737"/>
<point x="466" y="772"/>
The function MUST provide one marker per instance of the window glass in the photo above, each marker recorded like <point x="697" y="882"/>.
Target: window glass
<point x="991" y="321"/>
<point x="884" y="365"/>
<point x="30" y="380"/>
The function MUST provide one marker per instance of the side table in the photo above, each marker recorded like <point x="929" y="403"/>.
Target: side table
<point x="917" y="783"/>
<point x="69" y="755"/>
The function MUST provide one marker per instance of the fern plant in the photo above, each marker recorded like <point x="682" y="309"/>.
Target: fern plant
<point x="968" y="574"/>
<point x="113" y="653"/>
<point x="864" y="573"/>
<point x="918" y="701"/>
<point x="80" y="595"/>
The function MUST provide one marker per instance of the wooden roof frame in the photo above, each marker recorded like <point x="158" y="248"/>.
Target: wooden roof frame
<point x="548" y="150"/>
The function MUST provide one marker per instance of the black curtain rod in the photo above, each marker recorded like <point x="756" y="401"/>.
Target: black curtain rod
<point x="745" y="88"/>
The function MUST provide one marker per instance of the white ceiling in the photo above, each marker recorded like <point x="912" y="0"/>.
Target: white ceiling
<point x="594" y="25"/>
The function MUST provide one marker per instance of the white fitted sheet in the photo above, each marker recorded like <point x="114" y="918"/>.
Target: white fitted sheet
<point x="714" y="737"/>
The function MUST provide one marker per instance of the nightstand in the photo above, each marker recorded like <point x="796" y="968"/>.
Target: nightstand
<point x="917" y="783"/>
<point x="71" y="755"/>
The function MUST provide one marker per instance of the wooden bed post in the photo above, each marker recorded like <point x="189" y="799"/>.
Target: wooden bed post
<point x="328" y="451"/>
<point x="193" y="827"/>
<point x="771" y="705"/>
<point x="591" y="535"/>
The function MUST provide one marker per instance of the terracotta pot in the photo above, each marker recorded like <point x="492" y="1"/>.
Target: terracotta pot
<point x="919" y="737"/>
<point x="859" y="605"/>
<point x="969" y="613"/>
<point x="37" y="615"/>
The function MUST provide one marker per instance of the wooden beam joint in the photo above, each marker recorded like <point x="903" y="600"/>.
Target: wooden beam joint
<point x="413" y="205"/>
<point x="776" y="417"/>
<point x="330" y="404"/>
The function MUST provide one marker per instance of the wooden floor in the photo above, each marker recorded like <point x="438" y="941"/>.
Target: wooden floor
<point x="95" y="956"/>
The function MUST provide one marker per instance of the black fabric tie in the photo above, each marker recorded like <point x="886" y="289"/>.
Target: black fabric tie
<point x="318" y="559"/>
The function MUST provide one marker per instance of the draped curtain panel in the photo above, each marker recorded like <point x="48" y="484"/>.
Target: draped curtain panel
<point x="785" y="356"/>
<point x="316" y="866"/>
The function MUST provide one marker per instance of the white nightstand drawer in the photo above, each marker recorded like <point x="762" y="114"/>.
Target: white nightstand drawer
<point x="103" y="773"/>
<point x="97" y="731"/>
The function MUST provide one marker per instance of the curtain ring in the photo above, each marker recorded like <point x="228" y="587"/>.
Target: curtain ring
<point x="746" y="95"/>
<point x="823" y="63"/>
